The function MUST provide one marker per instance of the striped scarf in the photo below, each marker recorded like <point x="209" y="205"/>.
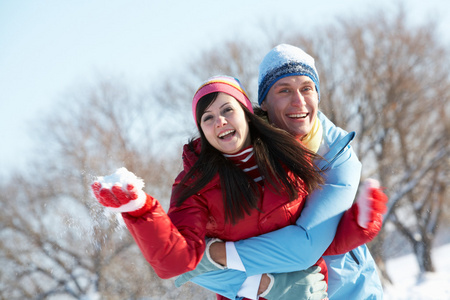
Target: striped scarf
<point x="245" y="160"/>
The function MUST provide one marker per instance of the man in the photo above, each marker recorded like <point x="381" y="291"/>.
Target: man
<point x="289" y="93"/>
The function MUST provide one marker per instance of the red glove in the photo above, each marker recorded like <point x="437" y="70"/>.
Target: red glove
<point x="122" y="192"/>
<point x="362" y="222"/>
<point x="371" y="204"/>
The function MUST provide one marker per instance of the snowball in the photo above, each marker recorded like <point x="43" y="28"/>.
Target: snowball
<point x="121" y="177"/>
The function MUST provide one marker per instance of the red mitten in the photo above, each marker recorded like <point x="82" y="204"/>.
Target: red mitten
<point x="121" y="192"/>
<point x="371" y="204"/>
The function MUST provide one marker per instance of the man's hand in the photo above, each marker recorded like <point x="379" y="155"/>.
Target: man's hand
<point x="307" y="284"/>
<point x="205" y="265"/>
<point x="371" y="205"/>
<point x="264" y="284"/>
<point x="218" y="253"/>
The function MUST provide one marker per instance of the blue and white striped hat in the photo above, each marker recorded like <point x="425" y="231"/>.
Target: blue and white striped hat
<point x="282" y="61"/>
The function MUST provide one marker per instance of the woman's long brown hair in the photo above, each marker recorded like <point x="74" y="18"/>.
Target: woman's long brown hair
<point x="285" y="164"/>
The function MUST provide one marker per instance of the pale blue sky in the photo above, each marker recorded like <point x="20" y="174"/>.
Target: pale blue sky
<point x="49" y="46"/>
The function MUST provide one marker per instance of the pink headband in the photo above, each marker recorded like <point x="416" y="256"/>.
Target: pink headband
<point x="224" y="84"/>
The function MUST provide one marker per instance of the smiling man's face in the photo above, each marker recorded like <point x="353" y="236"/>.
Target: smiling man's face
<point x="292" y="104"/>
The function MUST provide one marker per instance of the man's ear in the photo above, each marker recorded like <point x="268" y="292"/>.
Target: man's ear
<point x="263" y="105"/>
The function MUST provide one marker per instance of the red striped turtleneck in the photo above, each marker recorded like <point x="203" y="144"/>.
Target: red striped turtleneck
<point x="246" y="161"/>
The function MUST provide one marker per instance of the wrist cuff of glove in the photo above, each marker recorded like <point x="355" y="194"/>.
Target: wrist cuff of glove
<point x="147" y="206"/>
<point x="364" y="202"/>
<point x="208" y="255"/>
<point x="269" y="288"/>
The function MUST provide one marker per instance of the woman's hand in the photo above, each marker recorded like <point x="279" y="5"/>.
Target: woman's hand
<point x="121" y="192"/>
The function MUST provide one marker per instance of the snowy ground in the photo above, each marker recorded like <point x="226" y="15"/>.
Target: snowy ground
<point x="407" y="285"/>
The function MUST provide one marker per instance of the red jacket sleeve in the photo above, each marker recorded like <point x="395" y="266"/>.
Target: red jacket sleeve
<point x="171" y="250"/>
<point x="350" y="235"/>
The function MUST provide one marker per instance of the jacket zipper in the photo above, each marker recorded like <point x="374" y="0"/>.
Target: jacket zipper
<point x="354" y="257"/>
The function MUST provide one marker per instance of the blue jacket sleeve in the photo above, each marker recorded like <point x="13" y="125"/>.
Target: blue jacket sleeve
<point x="225" y="282"/>
<point x="299" y="246"/>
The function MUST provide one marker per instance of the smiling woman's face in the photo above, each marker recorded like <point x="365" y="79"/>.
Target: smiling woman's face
<point x="225" y="125"/>
<point x="292" y="104"/>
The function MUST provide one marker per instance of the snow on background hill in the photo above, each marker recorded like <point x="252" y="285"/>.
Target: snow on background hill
<point x="407" y="285"/>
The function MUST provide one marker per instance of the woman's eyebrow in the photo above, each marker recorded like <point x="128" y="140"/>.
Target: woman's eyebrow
<point x="224" y="104"/>
<point x="206" y="110"/>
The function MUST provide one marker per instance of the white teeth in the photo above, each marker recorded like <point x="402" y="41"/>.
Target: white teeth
<point x="298" y="116"/>
<point x="225" y="133"/>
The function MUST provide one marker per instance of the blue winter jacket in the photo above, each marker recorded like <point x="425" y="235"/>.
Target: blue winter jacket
<point x="296" y="247"/>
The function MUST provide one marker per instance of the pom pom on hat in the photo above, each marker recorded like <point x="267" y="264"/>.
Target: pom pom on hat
<point x="225" y="84"/>
<point x="282" y="61"/>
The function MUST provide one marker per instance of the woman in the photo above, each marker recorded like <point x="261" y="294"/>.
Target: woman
<point x="242" y="178"/>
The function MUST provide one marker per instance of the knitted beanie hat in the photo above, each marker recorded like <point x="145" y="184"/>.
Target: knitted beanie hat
<point x="225" y="84"/>
<point x="282" y="61"/>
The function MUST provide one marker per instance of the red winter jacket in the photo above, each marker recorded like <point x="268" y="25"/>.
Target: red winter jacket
<point x="174" y="243"/>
